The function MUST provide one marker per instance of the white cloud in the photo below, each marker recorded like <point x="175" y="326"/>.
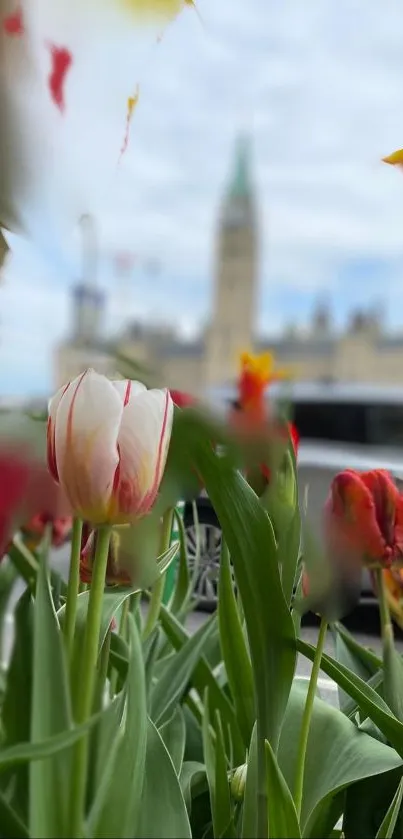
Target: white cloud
<point x="318" y="85"/>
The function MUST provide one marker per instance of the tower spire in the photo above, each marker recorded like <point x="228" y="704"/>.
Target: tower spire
<point x="240" y="185"/>
<point x="238" y="210"/>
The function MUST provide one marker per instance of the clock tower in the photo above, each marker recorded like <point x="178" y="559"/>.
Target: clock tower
<point x="233" y="316"/>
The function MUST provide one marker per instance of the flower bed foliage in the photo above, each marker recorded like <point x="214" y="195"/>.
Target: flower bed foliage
<point x="116" y="721"/>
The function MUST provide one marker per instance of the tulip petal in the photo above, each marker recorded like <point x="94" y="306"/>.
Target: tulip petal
<point x="127" y="389"/>
<point x="51" y="439"/>
<point x="87" y="426"/>
<point x="351" y="520"/>
<point x="143" y="442"/>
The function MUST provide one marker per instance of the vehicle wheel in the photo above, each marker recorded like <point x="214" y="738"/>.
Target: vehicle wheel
<point x="207" y="573"/>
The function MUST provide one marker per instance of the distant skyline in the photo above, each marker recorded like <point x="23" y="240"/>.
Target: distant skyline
<point x="318" y="87"/>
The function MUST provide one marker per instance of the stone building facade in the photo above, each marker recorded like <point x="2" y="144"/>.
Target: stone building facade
<point x="363" y="352"/>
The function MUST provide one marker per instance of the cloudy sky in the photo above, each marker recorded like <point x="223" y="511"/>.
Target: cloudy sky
<point x="317" y="86"/>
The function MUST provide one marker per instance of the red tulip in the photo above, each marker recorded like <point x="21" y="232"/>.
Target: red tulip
<point x="364" y="518"/>
<point x="34" y="530"/>
<point x="25" y="487"/>
<point x="182" y="399"/>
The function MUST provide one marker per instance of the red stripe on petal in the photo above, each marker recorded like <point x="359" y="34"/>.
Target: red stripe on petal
<point x="151" y="494"/>
<point x="127" y="394"/>
<point x="51" y="451"/>
<point x="14" y="23"/>
<point x="62" y="60"/>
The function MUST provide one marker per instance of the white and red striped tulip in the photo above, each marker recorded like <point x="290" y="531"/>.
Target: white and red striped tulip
<point x="107" y="446"/>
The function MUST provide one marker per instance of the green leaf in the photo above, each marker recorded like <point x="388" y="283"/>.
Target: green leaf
<point x="289" y="543"/>
<point x="28" y="752"/>
<point x="111" y="603"/>
<point x="24" y="561"/>
<point x="393" y="677"/>
<point x="103" y="742"/>
<point x="163" y="810"/>
<point x="176" y="675"/>
<point x="150" y="653"/>
<point x="366" y="804"/>
<point x="216" y="770"/>
<point x="193" y="773"/>
<point x="367" y="657"/>
<point x="119" y="654"/>
<point x="389" y="823"/>
<point x="11" y="825"/>
<point x="234" y="650"/>
<point x="16" y="711"/>
<point x="249" y="817"/>
<point x="249" y="534"/>
<point x="365" y="696"/>
<point x="344" y="754"/>
<point x="222" y="791"/>
<point x="173" y="734"/>
<point x="119" y="799"/>
<point x="352" y="655"/>
<point x="182" y="586"/>
<point x="282" y="815"/>
<point x="50" y="715"/>
<point x="203" y="677"/>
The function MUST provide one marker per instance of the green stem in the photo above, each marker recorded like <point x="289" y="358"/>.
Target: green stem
<point x="385" y="618"/>
<point x="306" y="719"/>
<point x="89" y="672"/>
<point x="72" y="587"/>
<point x="384" y="612"/>
<point x="158" y="587"/>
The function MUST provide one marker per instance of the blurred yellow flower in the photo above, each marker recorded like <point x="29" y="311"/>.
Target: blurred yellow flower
<point x="262" y="367"/>
<point x="394" y="159"/>
<point x="165" y="9"/>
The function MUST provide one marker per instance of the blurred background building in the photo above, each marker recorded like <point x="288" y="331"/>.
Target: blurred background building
<point x="362" y="353"/>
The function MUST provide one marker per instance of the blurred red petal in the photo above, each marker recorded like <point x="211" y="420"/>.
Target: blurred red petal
<point x="62" y="60"/>
<point x="14" y="23"/>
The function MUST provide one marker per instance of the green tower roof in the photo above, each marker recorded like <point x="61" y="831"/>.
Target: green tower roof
<point x="240" y="186"/>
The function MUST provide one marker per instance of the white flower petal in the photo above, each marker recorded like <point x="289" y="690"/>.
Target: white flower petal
<point x="51" y="430"/>
<point x="87" y="426"/>
<point x="128" y="389"/>
<point x="143" y="441"/>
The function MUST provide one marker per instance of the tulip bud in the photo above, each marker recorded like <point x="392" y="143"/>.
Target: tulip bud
<point x="107" y="446"/>
<point x="238" y="782"/>
<point x="364" y="519"/>
<point x="280" y="497"/>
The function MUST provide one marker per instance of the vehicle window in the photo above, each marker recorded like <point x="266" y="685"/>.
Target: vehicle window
<point x="385" y="425"/>
<point x="334" y="421"/>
